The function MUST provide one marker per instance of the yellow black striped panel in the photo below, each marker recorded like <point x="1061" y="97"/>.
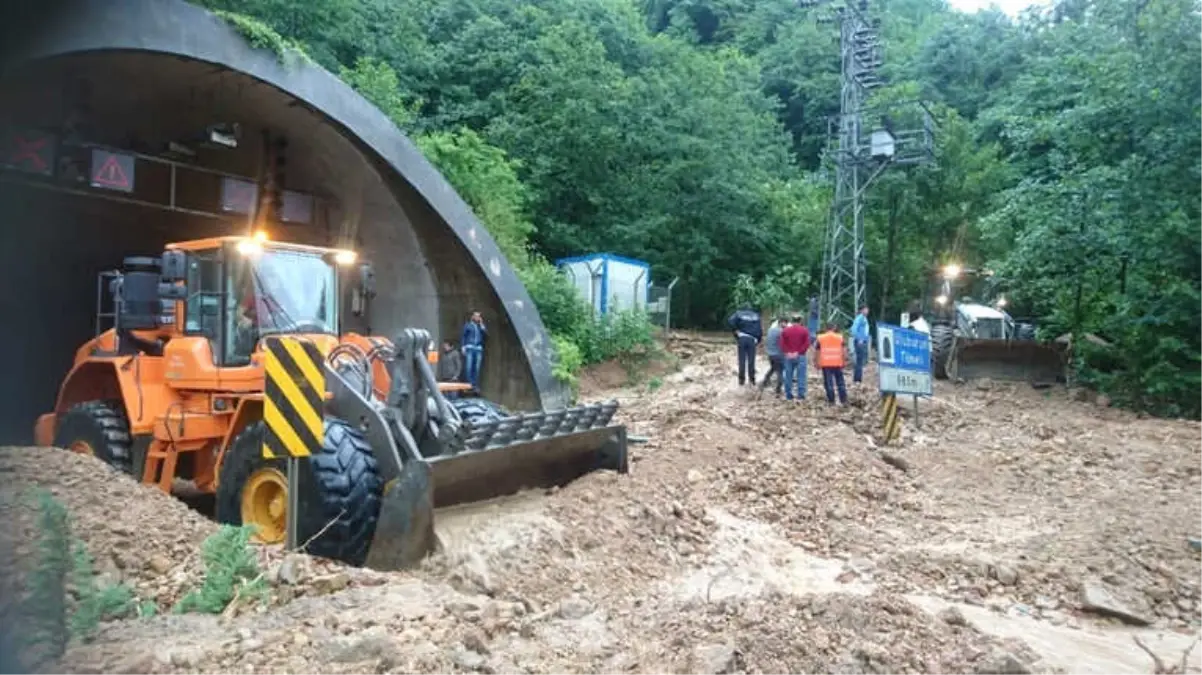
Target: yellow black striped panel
<point x="293" y="397"/>
<point x="890" y="422"/>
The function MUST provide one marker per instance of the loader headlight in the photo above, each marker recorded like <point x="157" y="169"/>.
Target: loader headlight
<point x="249" y="247"/>
<point x="941" y="299"/>
<point x="951" y="271"/>
<point x="345" y="257"/>
<point x="1001" y="302"/>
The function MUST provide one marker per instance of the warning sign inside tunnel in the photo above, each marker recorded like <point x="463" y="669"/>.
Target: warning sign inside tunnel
<point x="112" y="171"/>
<point x="28" y="150"/>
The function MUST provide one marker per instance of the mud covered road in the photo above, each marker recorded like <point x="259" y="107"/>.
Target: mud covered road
<point x="1014" y="531"/>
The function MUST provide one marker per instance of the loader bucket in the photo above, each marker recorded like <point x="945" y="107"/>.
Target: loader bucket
<point x="497" y="458"/>
<point x="1006" y="360"/>
<point x="478" y="475"/>
<point x="529" y="450"/>
<point x="405" y="527"/>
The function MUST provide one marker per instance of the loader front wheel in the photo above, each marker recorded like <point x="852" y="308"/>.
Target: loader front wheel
<point x="479" y="411"/>
<point x="97" y="428"/>
<point x="942" y="339"/>
<point x="340" y="492"/>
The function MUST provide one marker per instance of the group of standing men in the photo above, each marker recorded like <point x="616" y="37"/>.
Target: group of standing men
<point x="789" y="340"/>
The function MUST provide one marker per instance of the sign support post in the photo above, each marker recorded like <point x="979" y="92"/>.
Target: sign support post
<point x="290" y="542"/>
<point x="904" y="367"/>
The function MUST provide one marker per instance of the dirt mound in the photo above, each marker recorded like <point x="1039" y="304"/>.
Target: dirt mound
<point x="752" y="535"/>
<point x="135" y="534"/>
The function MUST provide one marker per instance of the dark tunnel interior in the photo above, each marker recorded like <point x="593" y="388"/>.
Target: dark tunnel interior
<point x="61" y="228"/>
<point x="55" y="246"/>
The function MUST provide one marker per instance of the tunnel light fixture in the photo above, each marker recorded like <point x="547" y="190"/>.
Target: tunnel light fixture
<point x="222" y="135"/>
<point x="345" y="257"/>
<point x="951" y="271"/>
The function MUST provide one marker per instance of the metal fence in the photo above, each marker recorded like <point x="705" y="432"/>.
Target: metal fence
<point x="659" y="304"/>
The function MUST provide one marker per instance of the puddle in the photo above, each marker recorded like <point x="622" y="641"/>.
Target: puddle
<point x="494" y="527"/>
<point x="1090" y="649"/>
<point x="749" y="559"/>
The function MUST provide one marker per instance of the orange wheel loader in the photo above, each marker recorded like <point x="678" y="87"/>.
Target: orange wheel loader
<point x="207" y="341"/>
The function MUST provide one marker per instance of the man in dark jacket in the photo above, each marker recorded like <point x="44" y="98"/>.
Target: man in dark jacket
<point x="748" y="330"/>
<point x="450" y="363"/>
<point x="472" y="341"/>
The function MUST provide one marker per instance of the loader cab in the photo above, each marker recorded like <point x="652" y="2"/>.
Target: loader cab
<point x="242" y="289"/>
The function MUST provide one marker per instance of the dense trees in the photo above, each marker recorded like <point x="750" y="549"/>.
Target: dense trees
<point x="690" y="133"/>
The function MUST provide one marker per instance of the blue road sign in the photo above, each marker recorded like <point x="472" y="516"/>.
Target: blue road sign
<point x="904" y="359"/>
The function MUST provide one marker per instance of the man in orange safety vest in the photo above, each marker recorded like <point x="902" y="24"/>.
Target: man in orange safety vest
<point x="830" y="357"/>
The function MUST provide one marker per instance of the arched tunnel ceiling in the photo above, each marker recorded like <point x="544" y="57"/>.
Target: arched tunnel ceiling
<point x="135" y="74"/>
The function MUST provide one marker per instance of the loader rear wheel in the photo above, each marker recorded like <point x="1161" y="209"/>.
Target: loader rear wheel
<point x="97" y="428"/>
<point x="942" y="338"/>
<point x="339" y="500"/>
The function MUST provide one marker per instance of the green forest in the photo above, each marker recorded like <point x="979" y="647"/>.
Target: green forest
<point x="693" y="133"/>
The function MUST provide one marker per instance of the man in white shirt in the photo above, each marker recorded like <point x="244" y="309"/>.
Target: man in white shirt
<point x="920" y="324"/>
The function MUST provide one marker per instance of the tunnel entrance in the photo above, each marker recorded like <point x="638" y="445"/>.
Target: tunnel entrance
<point x="92" y="172"/>
<point x="113" y="152"/>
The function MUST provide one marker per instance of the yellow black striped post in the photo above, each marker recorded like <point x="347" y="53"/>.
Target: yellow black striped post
<point x="890" y="421"/>
<point x="293" y="397"/>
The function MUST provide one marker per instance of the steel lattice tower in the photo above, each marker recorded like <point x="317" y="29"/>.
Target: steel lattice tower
<point x="860" y="157"/>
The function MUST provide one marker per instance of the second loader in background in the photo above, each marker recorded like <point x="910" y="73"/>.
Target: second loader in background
<point x="227" y="357"/>
<point x="972" y="340"/>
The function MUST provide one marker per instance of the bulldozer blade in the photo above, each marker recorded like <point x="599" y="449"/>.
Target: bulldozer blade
<point x="1006" y="360"/>
<point x="497" y="470"/>
<point x="405" y="527"/>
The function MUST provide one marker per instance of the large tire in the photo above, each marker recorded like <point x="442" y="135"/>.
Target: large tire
<point x="98" y="428"/>
<point x="942" y="338"/>
<point x="340" y="491"/>
<point x="477" y="411"/>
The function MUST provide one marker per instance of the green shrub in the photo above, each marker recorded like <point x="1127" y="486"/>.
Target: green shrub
<point x="620" y="334"/>
<point x="49" y="617"/>
<point x="96" y="602"/>
<point x="261" y="36"/>
<point x="231" y="571"/>
<point x="43" y="609"/>
<point x="580" y="337"/>
<point x="557" y="300"/>
<point x="568" y="360"/>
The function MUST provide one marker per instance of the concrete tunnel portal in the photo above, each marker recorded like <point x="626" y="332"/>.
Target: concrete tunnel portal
<point x="147" y="81"/>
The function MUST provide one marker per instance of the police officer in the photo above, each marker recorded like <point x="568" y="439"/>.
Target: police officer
<point x="748" y="331"/>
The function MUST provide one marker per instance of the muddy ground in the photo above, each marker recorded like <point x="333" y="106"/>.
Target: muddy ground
<point x="1013" y="530"/>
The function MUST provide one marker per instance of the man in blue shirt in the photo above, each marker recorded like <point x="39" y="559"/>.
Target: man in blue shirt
<point x="472" y="341"/>
<point x="813" y="318"/>
<point x="860" y="337"/>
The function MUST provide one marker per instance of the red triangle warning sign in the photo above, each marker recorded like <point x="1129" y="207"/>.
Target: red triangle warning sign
<point x="114" y="171"/>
